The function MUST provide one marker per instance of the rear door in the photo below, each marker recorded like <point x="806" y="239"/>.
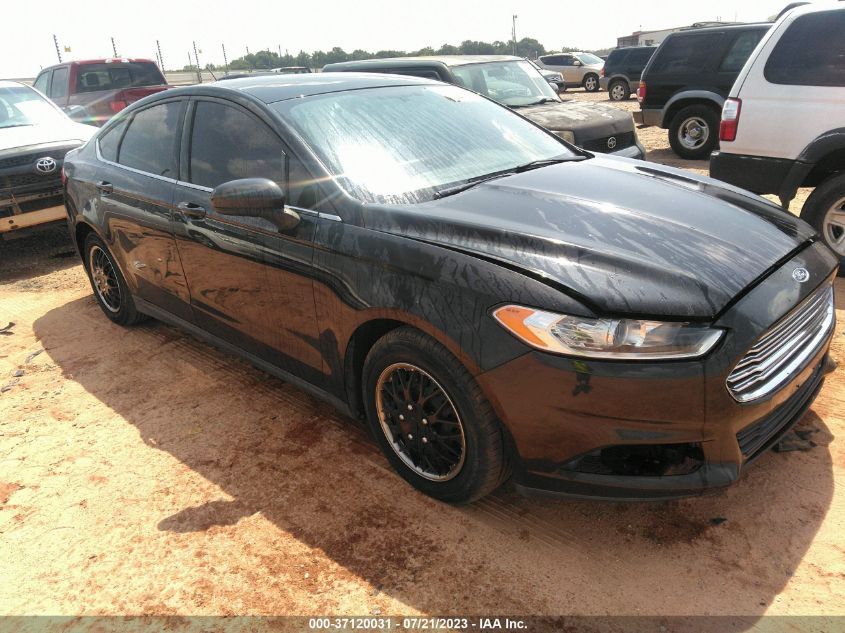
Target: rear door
<point x="685" y="60"/>
<point x="59" y="86"/>
<point x="250" y="284"/>
<point x="635" y="62"/>
<point x="137" y="179"/>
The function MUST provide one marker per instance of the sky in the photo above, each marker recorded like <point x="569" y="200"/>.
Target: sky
<point x="87" y="25"/>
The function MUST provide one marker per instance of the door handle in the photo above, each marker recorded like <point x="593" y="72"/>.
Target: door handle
<point x="191" y="210"/>
<point x="105" y="187"/>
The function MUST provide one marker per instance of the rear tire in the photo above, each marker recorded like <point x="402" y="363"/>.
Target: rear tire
<point x="108" y="284"/>
<point x="694" y="132"/>
<point x="824" y="210"/>
<point x="619" y="91"/>
<point x="591" y="82"/>
<point x="431" y="419"/>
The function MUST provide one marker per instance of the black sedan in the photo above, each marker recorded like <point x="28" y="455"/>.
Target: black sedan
<point x="493" y="300"/>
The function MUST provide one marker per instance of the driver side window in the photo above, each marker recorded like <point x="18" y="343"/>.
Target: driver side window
<point x="228" y="143"/>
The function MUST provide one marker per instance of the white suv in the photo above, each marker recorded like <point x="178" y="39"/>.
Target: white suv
<point x="783" y="125"/>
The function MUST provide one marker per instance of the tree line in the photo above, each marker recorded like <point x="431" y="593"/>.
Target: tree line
<point x="266" y="59"/>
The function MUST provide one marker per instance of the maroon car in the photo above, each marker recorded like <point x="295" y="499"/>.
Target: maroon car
<point x="92" y="91"/>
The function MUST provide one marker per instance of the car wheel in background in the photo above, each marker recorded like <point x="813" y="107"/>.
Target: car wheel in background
<point x="431" y="419"/>
<point x="591" y="83"/>
<point x="694" y="132"/>
<point x="110" y="289"/>
<point x="619" y="91"/>
<point x="824" y="210"/>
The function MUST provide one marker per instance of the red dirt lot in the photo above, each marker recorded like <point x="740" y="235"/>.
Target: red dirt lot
<point x="144" y="472"/>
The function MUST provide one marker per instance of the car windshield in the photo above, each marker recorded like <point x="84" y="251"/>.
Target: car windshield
<point x="511" y="83"/>
<point x="588" y="59"/>
<point x="403" y="144"/>
<point x="21" y="105"/>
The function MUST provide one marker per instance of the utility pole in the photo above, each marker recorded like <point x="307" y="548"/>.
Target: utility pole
<point x="196" y="57"/>
<point x="113" y="47"/>
<point x="160" y="60"/>
<point x="58" y="52"/>
<point x="225" y="61"/>
<point x="249" y="63"/>
<point x="513" y="32"/>
<point x="280" y="53"/>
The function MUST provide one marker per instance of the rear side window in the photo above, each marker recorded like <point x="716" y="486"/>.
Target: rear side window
<point x="617" y="57"/>
<point x="640" y="56"/>
<point x="228" y="144"/>
<point x="116" y="76"/>
<point x="42" y="82"/>
<point x="58" y="87"/>
<point x="811" y="52"/>
<point x="686" y="53"/>
<point x="110" y="140"/>
<point x="150" y="142"/>
<point x="554" y="60"/>
<point x="740" y="51"/>
<point x="415" y="72"/>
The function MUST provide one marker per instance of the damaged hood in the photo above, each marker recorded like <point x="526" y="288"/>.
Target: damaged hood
<point x="622" y="236"/>
<point x="574" y="115"/>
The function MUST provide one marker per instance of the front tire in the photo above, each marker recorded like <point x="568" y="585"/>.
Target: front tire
<point x="110" y="289"/>
<point x="824" y="210"/>
<point x="591" y="83"/>
<point x="619" y="91"/>
<point x="431" y="419"/>
<point x="693" y="132"/>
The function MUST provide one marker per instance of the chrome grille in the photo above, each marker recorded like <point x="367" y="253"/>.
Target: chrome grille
<point x="784" y="349"/>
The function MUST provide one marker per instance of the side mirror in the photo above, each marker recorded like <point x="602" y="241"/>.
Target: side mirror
<point x="555" y="86"/>
<point x="577" y="63"/>
<point x="254" y="197"/>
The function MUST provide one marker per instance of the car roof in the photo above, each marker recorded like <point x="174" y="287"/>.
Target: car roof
<point x="445" y="60"/>
<point x="629" y="48"/>
<point x="104" y="60"/>
<point x="727" y="27"/>
<point x="278" y="87"/>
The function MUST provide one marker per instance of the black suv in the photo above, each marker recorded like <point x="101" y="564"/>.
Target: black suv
<point x="517" y="84"/>
<point x="686" y="82"/>
<point x="622" y="70"/>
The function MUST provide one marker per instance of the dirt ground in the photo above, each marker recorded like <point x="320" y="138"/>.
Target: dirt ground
<point x="144" y="472"/>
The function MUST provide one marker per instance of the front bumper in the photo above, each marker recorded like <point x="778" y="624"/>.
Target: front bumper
<point x="31" y="219"/>
<point x="648" y="117"/>
<point x="559" y="411"/>
<point x="634" y="151"/>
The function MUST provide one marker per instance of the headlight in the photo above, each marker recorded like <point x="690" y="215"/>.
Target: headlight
<point x="566" y="135"/>
<point x="632" y="339"/>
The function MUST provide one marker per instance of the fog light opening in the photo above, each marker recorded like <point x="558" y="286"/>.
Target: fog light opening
<point x="650" y="460"/>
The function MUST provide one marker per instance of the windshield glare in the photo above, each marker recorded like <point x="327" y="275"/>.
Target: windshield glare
<point x="512" y="83"/>
<point x="23" y="106"/>
<point x="589" y="59"/>
<point x="402" y="144"/>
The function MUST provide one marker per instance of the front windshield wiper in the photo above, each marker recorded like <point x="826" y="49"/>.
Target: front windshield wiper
<point x="449" y="191"/>
<point x="545" y="162"/>
<point x="534" y="164"/>
<point x="534" y="103"/>
<point x="3" y="127"/>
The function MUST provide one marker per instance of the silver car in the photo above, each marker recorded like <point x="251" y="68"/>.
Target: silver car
<point x="576" y="68"/>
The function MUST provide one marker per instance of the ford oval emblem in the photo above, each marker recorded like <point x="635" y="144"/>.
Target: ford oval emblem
<point x="800" y="275"/>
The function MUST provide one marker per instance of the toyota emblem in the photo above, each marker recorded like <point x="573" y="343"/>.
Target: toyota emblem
<point x="45" y="165"/>
<point x="800" y="275"/>
<point x="611" y="142"/>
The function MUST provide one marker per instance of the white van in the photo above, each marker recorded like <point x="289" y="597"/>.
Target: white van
<point x="783" y="125"/>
